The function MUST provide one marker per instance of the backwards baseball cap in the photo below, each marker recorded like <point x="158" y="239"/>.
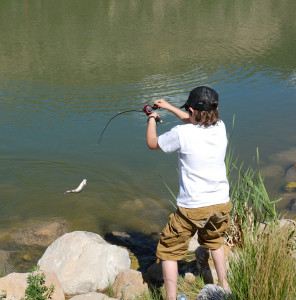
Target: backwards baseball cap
<point x="202" y="98"/>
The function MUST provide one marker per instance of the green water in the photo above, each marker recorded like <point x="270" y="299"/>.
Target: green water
<point x="66" y="67"/>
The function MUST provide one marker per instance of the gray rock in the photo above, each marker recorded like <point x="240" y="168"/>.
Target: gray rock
<point x="84" y="262"/>
<point x="213" y="292"/>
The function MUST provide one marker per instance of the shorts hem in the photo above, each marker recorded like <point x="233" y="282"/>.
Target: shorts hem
<point x="169" y="257"/>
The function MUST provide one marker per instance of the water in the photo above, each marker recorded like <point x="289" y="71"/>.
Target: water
<point x="66" y="67"/>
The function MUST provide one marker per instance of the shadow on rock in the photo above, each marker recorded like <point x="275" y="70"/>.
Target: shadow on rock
<point x="143" y="246"/>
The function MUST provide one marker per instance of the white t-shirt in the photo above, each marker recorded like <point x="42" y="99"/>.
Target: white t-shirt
<point x="201" y="154"/>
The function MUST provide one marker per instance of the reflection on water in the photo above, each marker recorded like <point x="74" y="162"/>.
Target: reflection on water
<point x="68" y="66"/>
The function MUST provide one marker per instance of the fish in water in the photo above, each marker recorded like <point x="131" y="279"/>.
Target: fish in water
<point x="78" y="189"/>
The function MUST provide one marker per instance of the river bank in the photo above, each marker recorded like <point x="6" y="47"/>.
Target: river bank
<point x="136" y="268"/>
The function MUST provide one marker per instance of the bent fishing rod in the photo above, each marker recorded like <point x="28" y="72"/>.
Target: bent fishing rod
<point x="147" y="109"/>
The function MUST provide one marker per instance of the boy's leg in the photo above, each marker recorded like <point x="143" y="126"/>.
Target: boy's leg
<point x="170" y="276"/>
<point x="219" y="262"/>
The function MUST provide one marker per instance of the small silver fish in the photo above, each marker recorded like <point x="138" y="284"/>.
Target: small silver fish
<point x="78" y="189"/>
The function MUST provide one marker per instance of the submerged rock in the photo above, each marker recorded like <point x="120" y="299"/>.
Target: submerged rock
<point x="5" y="266"/>
<point x="41" y="234"/>
<point x="292" y="205"/>
<point x="290" y="174"/>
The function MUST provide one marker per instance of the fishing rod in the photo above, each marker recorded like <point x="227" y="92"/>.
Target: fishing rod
<point x="147" y="109"/>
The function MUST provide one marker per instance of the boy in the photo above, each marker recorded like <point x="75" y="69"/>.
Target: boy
<point x="203" y="200"/>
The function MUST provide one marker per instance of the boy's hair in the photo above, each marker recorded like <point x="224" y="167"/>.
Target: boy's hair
<point x="207" y="118"/>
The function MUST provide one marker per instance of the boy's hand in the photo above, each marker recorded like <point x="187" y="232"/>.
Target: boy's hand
<point x="161" y="103"/>
<point x="154" y="114"/>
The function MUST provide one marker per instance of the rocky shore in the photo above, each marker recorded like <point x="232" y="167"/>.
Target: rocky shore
<point x="85" y="265"/>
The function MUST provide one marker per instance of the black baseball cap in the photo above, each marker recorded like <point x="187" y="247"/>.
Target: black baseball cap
<point x="202" y="98"/>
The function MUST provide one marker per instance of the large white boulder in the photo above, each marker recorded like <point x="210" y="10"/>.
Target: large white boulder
<point x="84" y="262"/>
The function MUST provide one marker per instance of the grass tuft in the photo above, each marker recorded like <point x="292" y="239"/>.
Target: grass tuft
<point x="263" y="268"/>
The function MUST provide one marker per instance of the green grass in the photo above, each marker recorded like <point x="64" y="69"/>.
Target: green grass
<point x="190" y="289"/>
<point x="263" y="268"/>
<point x="251" y="202"/>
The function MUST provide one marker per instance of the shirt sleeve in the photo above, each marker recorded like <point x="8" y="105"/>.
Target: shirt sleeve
<point x="169" y="141"/>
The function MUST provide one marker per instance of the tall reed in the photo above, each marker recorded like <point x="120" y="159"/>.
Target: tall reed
<point x="251" y="202"/>
<point x="263" y="268"/>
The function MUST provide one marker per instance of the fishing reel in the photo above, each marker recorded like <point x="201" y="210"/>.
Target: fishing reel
<point x="148" y="109"/>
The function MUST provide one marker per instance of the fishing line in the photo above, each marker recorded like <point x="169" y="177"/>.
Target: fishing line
<point x="148" y="109"/>
<point x="120" y="113"/>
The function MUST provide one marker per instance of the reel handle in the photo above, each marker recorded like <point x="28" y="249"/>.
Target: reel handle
<point x="148" y="109"/>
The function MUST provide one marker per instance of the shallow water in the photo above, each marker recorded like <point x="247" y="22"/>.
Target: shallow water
<point x="66" y="67"/>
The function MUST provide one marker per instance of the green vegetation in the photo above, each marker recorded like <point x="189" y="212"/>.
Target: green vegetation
<point x="37" y="290"/>
<point x="190" y="288"/>
<point x="263" y="268"/>
<point x="3" y="271"/>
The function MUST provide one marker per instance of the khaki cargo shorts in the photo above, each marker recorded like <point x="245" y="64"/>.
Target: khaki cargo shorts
<point x="211" y="222"/>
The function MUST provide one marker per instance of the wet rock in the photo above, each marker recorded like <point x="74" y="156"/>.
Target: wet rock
<point x="41" y="234"/>
<point x="27" y="257"/>
<point x="84" y="262"/>
<point x="15" y="285"/>
<point x="143" y="246"/>
<point x="129" y="284"/>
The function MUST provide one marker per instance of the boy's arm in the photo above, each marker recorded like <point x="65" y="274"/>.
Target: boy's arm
<point x="151" y="136"/>
<point x="182" y="115"/>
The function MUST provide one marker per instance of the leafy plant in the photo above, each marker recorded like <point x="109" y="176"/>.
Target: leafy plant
<point x="37" y="290"/>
